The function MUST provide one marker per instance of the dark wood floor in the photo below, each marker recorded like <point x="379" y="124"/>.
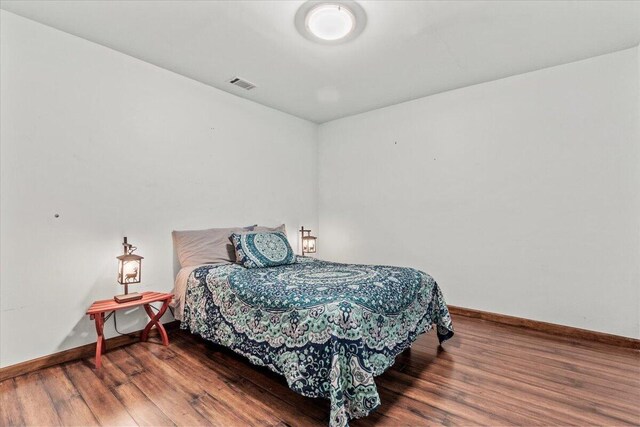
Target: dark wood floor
<point x="488" y="374"/>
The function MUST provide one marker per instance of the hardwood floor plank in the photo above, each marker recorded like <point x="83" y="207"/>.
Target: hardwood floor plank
<point x="618" y="353"/>
<point x="519" y="362"/>
<point x="125" y="362"/>
<point x="491" y="329"/>
<point x="400" y="409"/>
<point x="221" y="414"/>
<point x="36" y="404"/>
<point x="174" y="402"/>
<point x="110" y="374"/>
<point x="623" y="400"/>
<point x="142" y="410"/>
<point x="234" y="369"/>
<point x="508" y="400"/>
<point x="176" y="405"/>
<point x="75" y="412"/>
<point x="614" y="357"/>
<point x="539" y="412"/>
<point x="468" y="350"/>
<point x="452" y="401"/>
<point x="57" y="384"/>
<point x="245" y="396"/>
<point x="103" y="404"/>
<point x="587" y="372"/>
<point x="10" y="408"/>
<point x="550" y="352"/>
<point x="522" y="363"/>
<point x="70" y="406"/>
<point x="535" y="392"/>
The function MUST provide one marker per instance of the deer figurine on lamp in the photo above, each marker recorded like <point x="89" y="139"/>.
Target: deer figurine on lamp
<point x="129" y="271"/>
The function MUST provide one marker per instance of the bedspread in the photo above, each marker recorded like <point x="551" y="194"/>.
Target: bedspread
<point x="329" y="328"/>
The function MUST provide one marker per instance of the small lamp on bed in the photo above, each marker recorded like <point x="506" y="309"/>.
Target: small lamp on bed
<point x="129" y="271"/>
<point x="308" y="242"/>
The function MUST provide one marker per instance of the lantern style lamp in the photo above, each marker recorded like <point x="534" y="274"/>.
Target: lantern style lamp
<point x="308" y="242"/>
<point x="129" y="271"/>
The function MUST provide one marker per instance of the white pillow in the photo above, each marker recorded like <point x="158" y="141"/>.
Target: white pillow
<point x="211" y="246"/>
<point x="263" y="229"/>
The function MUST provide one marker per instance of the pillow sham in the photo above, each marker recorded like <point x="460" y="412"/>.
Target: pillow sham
<point x="211" y="246"/>
<point x="256" y="250"/>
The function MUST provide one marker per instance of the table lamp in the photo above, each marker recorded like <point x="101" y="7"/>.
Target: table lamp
<point x="308" y="242"/>
<point x="129" y="271"/>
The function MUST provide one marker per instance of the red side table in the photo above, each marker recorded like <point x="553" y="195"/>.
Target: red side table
<point x="99" y="308"/>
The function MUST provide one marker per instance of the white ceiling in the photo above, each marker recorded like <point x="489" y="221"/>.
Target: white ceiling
<point x="409" y="49"/>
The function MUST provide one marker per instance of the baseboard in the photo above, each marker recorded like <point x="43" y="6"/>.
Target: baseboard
<point x="550" y="328"/>
<point x="87" y="350"/>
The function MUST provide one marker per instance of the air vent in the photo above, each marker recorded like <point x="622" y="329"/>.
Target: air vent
<point x="242" y="83"/>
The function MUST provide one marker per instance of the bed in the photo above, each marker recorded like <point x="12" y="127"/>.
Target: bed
<point x="328" y="328"/>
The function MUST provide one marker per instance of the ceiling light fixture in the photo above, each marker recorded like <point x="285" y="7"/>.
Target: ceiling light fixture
<point x="330" y="22"/>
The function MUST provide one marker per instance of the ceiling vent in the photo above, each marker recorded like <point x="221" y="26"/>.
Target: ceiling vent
<point x="237" y="81"/>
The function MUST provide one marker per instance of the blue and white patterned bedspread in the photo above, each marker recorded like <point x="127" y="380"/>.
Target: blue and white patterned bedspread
<point x="328" y="328"/>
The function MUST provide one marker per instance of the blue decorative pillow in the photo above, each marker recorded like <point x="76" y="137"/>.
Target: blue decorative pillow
<point x="255" y="250"/>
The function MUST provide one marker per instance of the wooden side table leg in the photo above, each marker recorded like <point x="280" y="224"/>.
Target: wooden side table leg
<point x="100" y="341"/>
<point x="155" y="317"/>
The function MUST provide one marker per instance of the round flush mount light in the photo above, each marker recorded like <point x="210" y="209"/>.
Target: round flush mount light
<point x="330" y="22"/>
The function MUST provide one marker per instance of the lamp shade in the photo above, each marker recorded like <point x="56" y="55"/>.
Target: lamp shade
<point x="309" y="244"/>
<point x="129" y="269"/>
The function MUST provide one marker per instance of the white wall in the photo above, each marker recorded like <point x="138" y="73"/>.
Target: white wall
<point x="118" y="147"/>
<point x="520" y="196"/>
